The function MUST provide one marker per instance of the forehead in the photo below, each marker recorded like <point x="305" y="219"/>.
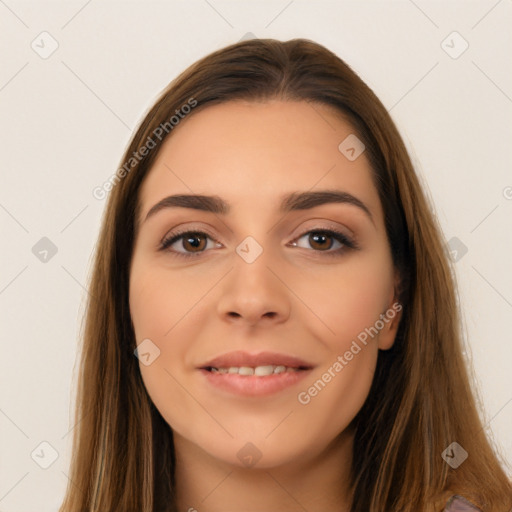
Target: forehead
<point x="251" y="153"/>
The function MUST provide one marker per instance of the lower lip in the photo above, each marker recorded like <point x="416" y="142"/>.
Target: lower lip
<point x="250" y="385"/>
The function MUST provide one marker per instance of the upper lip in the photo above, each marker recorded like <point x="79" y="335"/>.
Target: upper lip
<point x="240" y="358"/>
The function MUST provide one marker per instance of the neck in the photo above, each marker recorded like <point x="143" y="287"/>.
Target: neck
<point x="319" y="483"/>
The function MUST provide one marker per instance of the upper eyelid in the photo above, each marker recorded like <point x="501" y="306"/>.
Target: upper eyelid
<point x="331" y="226"/>
<point x="303" y="232"/>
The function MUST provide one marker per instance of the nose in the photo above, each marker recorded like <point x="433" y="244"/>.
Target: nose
<point x="254" y="294"/>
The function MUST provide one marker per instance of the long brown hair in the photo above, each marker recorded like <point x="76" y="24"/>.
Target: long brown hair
<point x="421" y="399"/>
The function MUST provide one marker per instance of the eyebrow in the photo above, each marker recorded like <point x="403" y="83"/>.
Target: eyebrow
<point x="295" y="201"/>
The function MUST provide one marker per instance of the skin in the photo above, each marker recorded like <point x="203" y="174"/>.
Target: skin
<point x="193" y="309"/>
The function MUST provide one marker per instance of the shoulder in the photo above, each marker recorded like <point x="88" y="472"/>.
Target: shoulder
<point x="459" y="504"/>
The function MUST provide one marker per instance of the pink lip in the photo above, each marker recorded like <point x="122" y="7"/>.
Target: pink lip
<point x="252" y="385"/>
<point x="240" y="358"/>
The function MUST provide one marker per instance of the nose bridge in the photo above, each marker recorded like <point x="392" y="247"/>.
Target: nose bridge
<point x="252" y="265"/>
<point x="253" y="291"/>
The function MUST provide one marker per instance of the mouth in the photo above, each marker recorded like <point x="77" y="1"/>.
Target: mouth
<point x="262" y="363"/>
<point x="262" y="374"/>
<point x="258" y="371"/>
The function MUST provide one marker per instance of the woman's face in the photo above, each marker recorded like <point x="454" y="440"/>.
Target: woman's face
<point x="260" y="282"/>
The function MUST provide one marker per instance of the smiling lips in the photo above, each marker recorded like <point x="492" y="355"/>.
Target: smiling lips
<point x="262" y="362"/>
<point x="255" y="374"/>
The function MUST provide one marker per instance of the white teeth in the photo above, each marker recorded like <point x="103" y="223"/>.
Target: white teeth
<point x="259" y="371"/>
<point x="264" y="370"/>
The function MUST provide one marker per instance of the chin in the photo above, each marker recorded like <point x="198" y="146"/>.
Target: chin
<point x="254" y="453"/>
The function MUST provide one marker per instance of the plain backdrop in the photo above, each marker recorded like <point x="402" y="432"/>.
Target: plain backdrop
<point x="441" y="68"/>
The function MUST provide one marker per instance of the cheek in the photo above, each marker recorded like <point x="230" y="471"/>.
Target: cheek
<point x="335" y="396"/>
<point x="161" y="307"/>
<point x="159" y="314"/>
<point x="158" y="300"/>
<point x="346" y="302"/>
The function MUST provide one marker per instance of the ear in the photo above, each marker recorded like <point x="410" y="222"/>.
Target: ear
<point x="391" y="318"/>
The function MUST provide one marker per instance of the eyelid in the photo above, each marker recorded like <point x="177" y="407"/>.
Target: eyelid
<point x="326" y="226"/>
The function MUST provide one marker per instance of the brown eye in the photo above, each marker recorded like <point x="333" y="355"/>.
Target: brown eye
<point x="194" y="242"/>
<point x="324" y="240"/>
<point x="320" y="241"/>
<point x="187" y="243"/>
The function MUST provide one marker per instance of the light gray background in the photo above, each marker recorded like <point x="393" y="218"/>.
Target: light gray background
<point x="66" y="120"/>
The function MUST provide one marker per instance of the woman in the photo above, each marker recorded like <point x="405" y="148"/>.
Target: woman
<point x="273" y="322"/>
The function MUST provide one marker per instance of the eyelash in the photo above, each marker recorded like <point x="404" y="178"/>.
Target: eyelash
<point x="340" y="237"/>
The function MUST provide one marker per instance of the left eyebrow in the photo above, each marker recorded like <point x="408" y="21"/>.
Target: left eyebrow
<point x="291" y="202"/>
